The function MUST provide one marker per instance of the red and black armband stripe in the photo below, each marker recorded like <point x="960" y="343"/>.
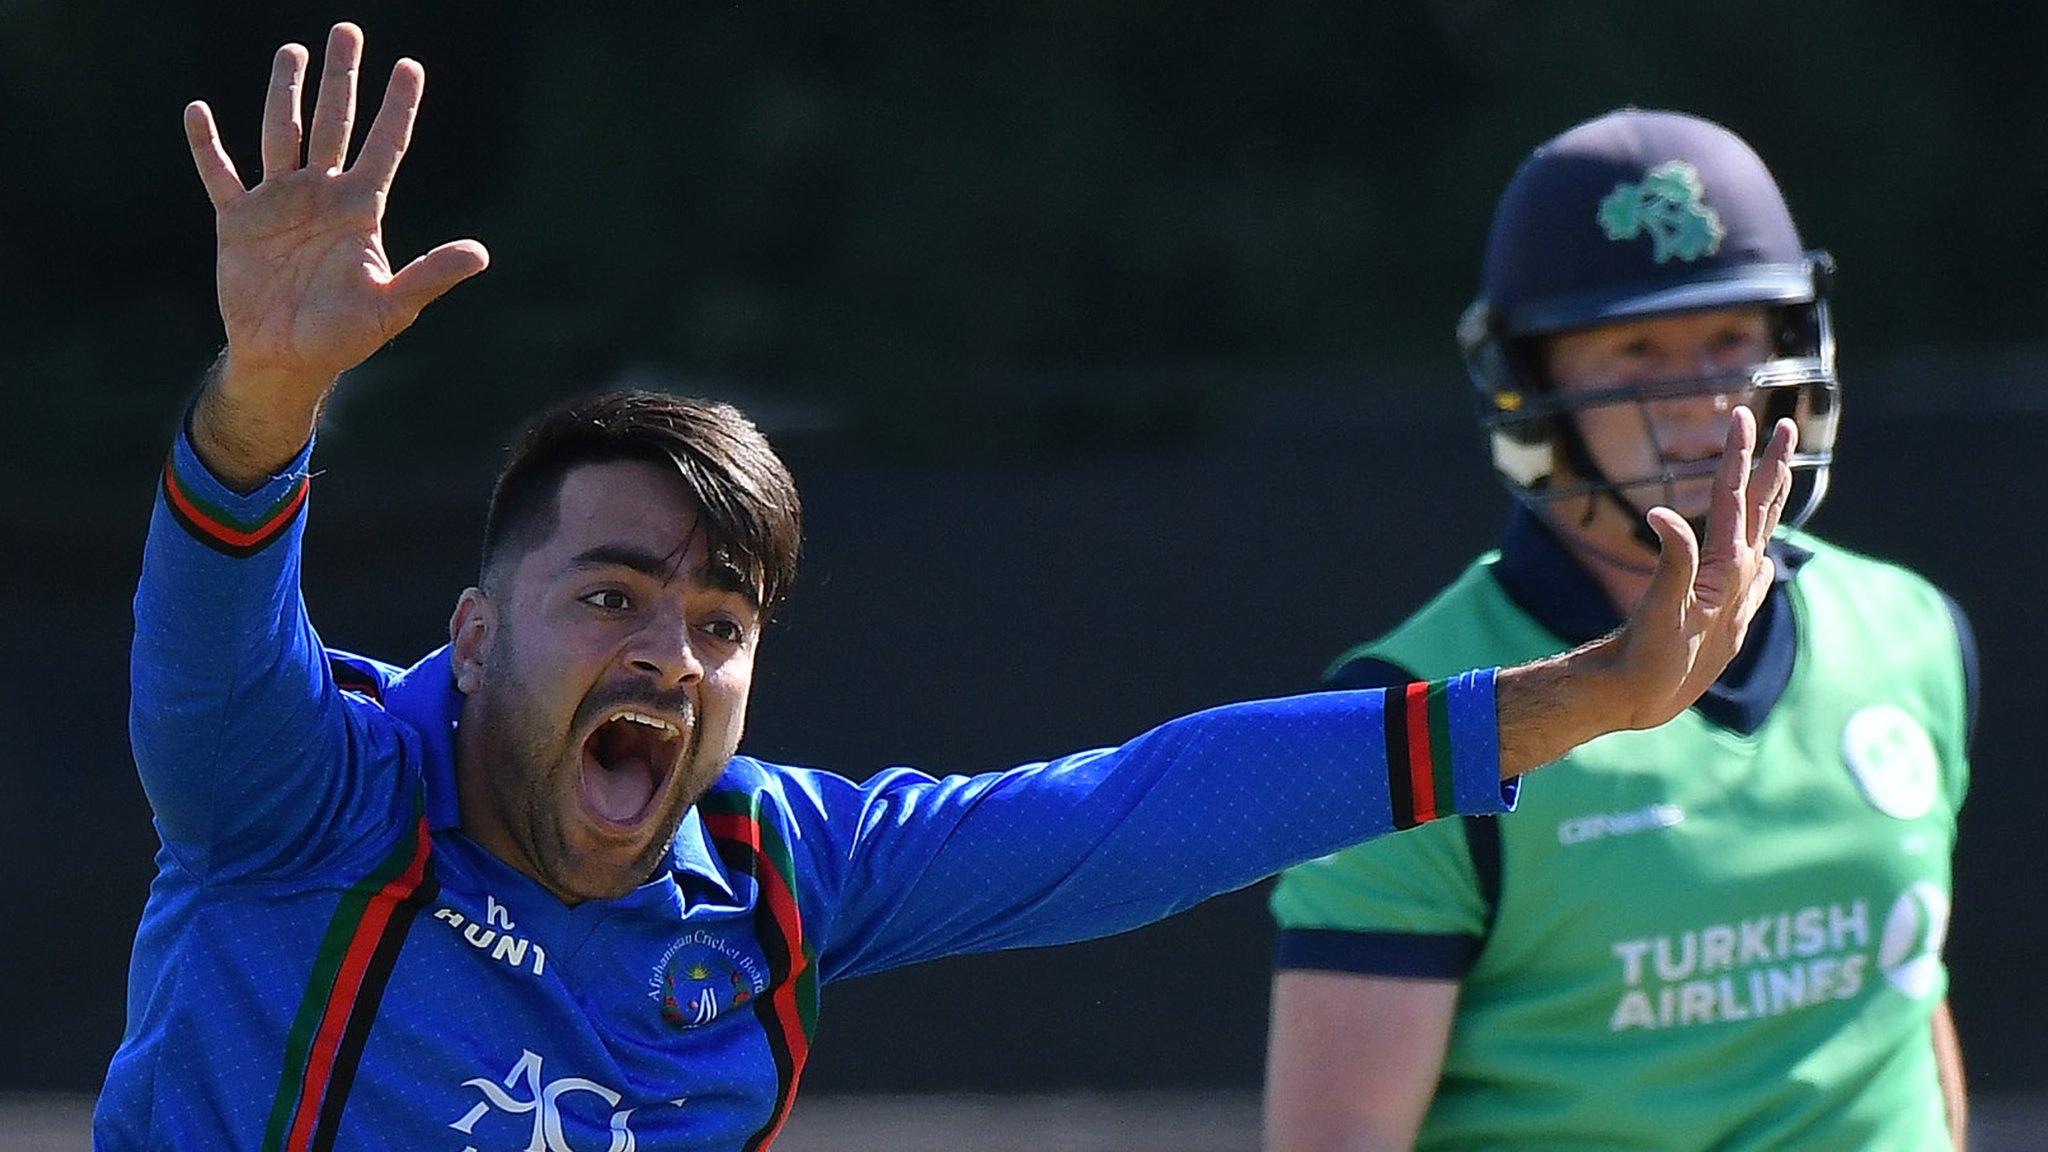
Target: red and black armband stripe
<point x="237" y="534"/>
<point x="1443" y="749"/>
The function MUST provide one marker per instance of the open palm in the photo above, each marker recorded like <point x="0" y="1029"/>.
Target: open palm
<point x="306" y="288"/>
<point x="1693" y="618"/>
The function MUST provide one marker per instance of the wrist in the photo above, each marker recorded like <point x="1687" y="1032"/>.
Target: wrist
<point x="252" y="382"/>
<point x="1603" y="699"/>
<point x="246" y="425"/>
<point x="1550" y="706"/>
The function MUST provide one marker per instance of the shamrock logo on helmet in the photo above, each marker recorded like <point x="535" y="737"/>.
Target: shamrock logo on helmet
<point x="1667" y="206"/>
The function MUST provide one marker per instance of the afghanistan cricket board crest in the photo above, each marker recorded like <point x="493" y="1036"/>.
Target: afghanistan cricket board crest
<point x="702" y="976"/>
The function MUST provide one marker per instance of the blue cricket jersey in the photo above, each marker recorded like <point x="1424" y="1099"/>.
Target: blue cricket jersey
<point x="326" y="961"/>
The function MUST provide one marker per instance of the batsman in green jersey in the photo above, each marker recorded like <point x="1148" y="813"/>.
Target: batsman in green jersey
<point x="1723" y="933"/>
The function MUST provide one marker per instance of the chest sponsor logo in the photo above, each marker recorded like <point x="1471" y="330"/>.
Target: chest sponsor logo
<point x="702" y="976"/>
<point x="496" y="936"/>
<point x="1893" y="760"/>
<point x="558" y="1107"/>
<point x="1779" y="962"/>
<point x="1601" y="825"/>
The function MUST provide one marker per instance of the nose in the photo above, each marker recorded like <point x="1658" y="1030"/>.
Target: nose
<point x="1711" y="361"/>
<point x="662" y="650"/>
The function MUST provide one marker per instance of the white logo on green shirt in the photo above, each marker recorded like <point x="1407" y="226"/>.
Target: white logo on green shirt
<point x="1893" y="760"/>
<point x="1780" y="962"/>
<point x="1765" y="966"/>
<point x="1599" y="825"/>
<point x="1909" y="953"/>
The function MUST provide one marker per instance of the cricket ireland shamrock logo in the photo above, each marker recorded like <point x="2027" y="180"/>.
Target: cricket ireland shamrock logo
<point x="1667" y="206"/>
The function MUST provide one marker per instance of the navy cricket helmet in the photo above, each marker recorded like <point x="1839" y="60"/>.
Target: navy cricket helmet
<point x="1633" y="215"/>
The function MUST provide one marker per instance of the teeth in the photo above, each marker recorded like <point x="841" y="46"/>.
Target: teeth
<point x="662" y="726"/>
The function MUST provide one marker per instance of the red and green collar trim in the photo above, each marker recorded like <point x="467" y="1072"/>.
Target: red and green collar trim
<point x="789" y="1012"/>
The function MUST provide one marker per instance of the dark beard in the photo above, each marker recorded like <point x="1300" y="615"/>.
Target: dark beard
<point x="524" y="766"/>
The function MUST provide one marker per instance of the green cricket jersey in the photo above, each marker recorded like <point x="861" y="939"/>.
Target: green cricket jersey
<point x="1703" y="936"/>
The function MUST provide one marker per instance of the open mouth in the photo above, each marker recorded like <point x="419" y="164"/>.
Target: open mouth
<point x="1689" y="467"/>
<point x="1686" y="474"/>
<point x="626" y="762"/>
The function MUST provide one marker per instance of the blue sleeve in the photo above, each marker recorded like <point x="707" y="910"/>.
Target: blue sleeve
<point x="1430" y="923"/>
<point x="254" y="760"/>
<point x="1103" y="841"/>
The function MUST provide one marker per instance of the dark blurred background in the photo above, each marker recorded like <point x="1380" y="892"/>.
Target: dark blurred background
<point x="1110" y="342"/>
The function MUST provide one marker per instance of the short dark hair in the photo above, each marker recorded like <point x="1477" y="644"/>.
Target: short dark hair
<point x="751" y="515"/>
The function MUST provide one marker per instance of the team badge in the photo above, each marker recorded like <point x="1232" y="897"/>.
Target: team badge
<point x="701" y="977"/>
<point x="1666" y="205"/>
<point x="1893" y="760"/>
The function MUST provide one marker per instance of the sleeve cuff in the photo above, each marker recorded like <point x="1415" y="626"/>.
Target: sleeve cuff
<point x="1443" y="750"/>
<point x="227" y="521"/>
<point x="1475" y="747"/>
<point x="1435" y="955"/>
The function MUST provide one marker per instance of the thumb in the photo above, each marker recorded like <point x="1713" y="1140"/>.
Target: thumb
<point x="1678" y="565"/>
<point x="429" y="276"/>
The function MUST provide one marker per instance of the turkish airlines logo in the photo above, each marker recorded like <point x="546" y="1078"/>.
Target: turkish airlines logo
<point x="1760" y="967"/>
<point x="525" y="1091"/>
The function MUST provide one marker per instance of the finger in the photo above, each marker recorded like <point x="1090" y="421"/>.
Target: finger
<point x="334" y="113"/>
<point x="281" y="110"/>
<point x="1774" y="486"/>
<point x="1726" y="521"/>
<point x="391" y="132"/>
<point x="1759" y="588"/>
<point x="429" y="277"/>
<point x="216" y="171"/>
<point x="1678" y="566"/>
<point x="1752" y="602"/>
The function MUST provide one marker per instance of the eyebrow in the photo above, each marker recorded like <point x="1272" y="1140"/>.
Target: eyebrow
<point x="720" y="573"/>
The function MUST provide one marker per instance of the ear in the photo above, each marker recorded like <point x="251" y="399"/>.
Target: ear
<point x="469" y="638"/>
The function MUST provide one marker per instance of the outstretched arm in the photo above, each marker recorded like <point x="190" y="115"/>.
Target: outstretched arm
<point x="247" y="748"/>
<point x="1101" y="842"/>
<point x="306" y="288"/>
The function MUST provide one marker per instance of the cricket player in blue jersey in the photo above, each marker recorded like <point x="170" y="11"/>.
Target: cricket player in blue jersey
<point x="525" y="893"/>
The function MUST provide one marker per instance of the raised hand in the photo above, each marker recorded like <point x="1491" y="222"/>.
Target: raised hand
<point x="1693" y="618"/>
<point x="306" y="288"/>
<point x="1690" y="624"/>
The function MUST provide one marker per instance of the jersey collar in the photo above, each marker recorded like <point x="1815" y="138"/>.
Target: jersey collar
<point x="1541" y="576"/>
